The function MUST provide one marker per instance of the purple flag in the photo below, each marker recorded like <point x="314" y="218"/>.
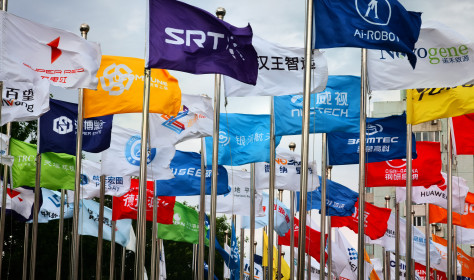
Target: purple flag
<point x="185" y="38"/>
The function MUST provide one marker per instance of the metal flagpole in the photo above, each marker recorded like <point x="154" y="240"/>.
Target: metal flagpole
<point x="36" y="206"/>
<point x="408" y="204"/>
<point x="142" y="198"/>
<point x="77" y="184"/>
<point x="112" y="251"/>
<point x="226" y="240"/>
<point x="305" y="137"/>
<point x="153" y="235"/>
<point x="271" y="187"/>
<point x="100" y="233"/>
<point x="242" y="255"/>
<point x="25" y="250"/>
<point x="122" y="271"/>
<point x="60" y="236"/>
<point x="427" y="236"/>
<point x="263" y="253"/>
<point x="386" y="255"/>
<point x="323" y="207"/>
<point x="455" y="253"/>
<point x="308" y="258"/>
<point x="292" y="147"/>
<point x="202" y="214"/>
<point x="4" y="191"/>
<point x="363" y="108"/>
<point x="158" y="267"/>
<point x="329" y="169"/>
<point x="193" y="264"/>
<point x="252" y="219"/>
<point x="280" y="197"/>
<point x="397" y="241"/>
<point x="449" y="272"/>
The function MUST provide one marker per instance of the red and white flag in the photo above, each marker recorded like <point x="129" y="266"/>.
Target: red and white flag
<point x="463" y="134"/>
<point x="19" y="201"/>
<point x="125" y="207"/>
<point x="426" y="168"/>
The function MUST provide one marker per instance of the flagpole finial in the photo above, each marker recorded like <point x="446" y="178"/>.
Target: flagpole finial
<point x="292" y="146"/>
<point x="84" y="29"/>
<point x="220" y="12"/>
<point x="387" y="197"/>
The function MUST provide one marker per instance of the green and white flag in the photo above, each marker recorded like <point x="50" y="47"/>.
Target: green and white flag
<point x="57" y="170"/>
<point x="185" y="227"/>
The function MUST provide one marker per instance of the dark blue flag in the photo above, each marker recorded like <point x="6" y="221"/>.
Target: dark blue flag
<point x="385" y="138"/>
<point x="340" y="200"/>
<point x="227" y="258"/>
<point x="234" y="255"/>
<point x="242" y="139"/>
<point x="370" y="24"/>
<point x="58" y="127"/>
<point x="206" y="272"/>
<point x="186" y="167"/>
<point x="185" y="38"/>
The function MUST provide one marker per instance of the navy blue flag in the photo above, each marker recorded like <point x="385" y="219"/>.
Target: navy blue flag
<point x="206" y="272"/>
<point x="234" y="254"/>
<point x="385" y="138"/>
<point x="242" y="139"/>
<point x="195" y="41"/>
<point x="58" y="127"/>
<point x="227" y="258"/>
<point x="340" y="200"/>
<point x="186" y="167"/>
<point x="335" y="109"/>
<point x="371" y="24"/>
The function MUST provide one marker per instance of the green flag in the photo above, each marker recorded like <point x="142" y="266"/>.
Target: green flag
<point x="57" y="170"/>
<point x="185" y="227"/>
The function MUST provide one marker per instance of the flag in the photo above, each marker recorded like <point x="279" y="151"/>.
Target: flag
<point x="218" y="247"/>
<point x="132" y="244"/>
<point x="443" y="61"/>
<point x="206" y="272"/>
<point x="426" y="104"/>
<point x="345" y="256"/>
<point x="466" y="261"/>
<point x="464" y="235"/>
<point x="315" y="268"/>
<point x="426" y="168"/>
<point x="420" y="270"/>
<point x="237" y="201"/>
<point x="281" y="217"/>
<point x="257" y="273"/>
<point x="194" y="120"/>
<point x="121" y="85"/>
<point x="380" y="25"/>
<point x="402" y="270"/>
<point x="375" y="220"/>
<point x="233" y="252"/>
<point x="373" y="274"/>
<point x="58" y="130"/>
<point x="285" y="268"/>
<point x="90" y="182"/>
<point x="463" y="139"/>
<point x="162" y="264"/>
<point x="5" y="158"/>
<point x="385" y="138"/>
<point x="443" y="250"/>
<point x="280" y="71"/>
<point x="125" y="207"/>
<point x="197" y="42"/>
<point x="89" y="223"/>
<point x="19" y="202"/>
<point x="123" y="156"/>
<point x="64" y="58"/>
<point x="186" y="168"/>
<point x="440" y="215"/>
<point x="438" y="195"/>
<point x="340" y="200"/>
<point x="185" y="226"/>
<point x="335" y="108"/>
<point x="51" y="206"/>
<point x="57" y="170"/>
<point x="242" y="139"/>
<point x="287" y="172"/>
<point x="312" y="243"/>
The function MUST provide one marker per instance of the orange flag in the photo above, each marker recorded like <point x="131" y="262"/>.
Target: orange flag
<point x="467" y="262"/>
<point x="440" y="215"/>
<point x="121" y="86"/>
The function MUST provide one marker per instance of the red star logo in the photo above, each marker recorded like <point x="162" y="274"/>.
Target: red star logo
<point x="55" y="52"/>
<point x="13" y="193"/>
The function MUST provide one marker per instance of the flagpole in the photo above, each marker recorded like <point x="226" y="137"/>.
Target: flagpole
<point x="159" y="249"/>
<point x="4" y="190"/>
<point x="77" y="184"/>
<point x="193" y="264"/>
<point x="449" y="272"/>
<point x="60" y="236"/>
<point x="271" y="187"/>
<point x="264" y="230"/>
<point x="323" y="206"/>
<point x="100" y="231"/>
<point x="36" y="206"/>
<point x="455" y="253"/>
<point x="25" y="250"/>
<point x="408" y="203"/>
<point x="305" y="138"/>
<point x="397" y="241"/>
<point x="308" y="256"/>
<point x="122" y="271"/>
<point x="280" y="197"/>
<point x="427" y="243"/>
<point x="386" y="254"/>
<point x="252" y="219"/>
<point x="329" y="242"/>
<point x="112" y="249"/>
<point x="363" y="108"/>
<point x="292" y="147"/>
<point x="242" y="255"/>
<point x="202" y="213"/>
<point x="153" y="235"/>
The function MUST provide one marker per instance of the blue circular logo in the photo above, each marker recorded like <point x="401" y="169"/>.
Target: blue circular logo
<point x="132" y="151"/>
<point x="84" y="180"/>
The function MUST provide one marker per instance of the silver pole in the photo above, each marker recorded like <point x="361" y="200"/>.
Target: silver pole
<point x="153" y="236"/>
<point x="226" y="241"/>
<point x="142" y="198"/>
<point x="455" y="253"/>
<point x="25" y="251"/>
<point x="36" y="206"/>
<point x="305" y="138"/>
<point x="112" y="251"/>
<point x="271" y="187"/>
<point x="308" y="259"/>
<point x="77" y="184"/>
<point x="292" y="147"/>
<point x="427" y="233"/>
<point x="280" y="197"/>
<point x="323" y="207"/>
<point x="472" y="250"/>
<point x="397" y="241"/>
<point x="329" y="242"/>
<point x="4" y="191"/>
<point x="60" y="236"/>
<point x="202" y="213"/>
<point x="158" y="267"/>
<point x="252" y="219"/>
<point x="449" y="272"/>
<point x="386" y="255"/>
<point x="242" y="255"/>
<point x="193" y="264"/>
<point x="122" y="271"/>
<point x="408" y="203"/>
<point x="100" y="233"/>
<point x="363" y="108"/>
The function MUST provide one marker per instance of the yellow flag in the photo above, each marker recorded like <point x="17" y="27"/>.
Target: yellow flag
<point x="285" y="269"/>
<point x="428" y="104"/>
<point x="120" y="89"/>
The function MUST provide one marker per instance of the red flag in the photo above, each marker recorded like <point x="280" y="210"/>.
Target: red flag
<point x="125" y="207"/>
<point x="463" y="134"/>
<point x="440" y="215"/>
<point x="426" y="168"/>
<point x="421" y="271"/>
<point x="312" y="243"/>
<point x="375" y="221"/>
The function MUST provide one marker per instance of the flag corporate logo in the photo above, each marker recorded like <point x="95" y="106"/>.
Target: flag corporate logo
<point x="62" y="125"/>
<point x="55" y="51"/>
<point x="172" y="122"/>
<point x="176" y="219"/>
<point x="223" y="138"/>
<point x="132" y="151"/>
<point x="116" y="79"/>
<point x="377" y="12"/>
<point x="400" y="165"/>
<point x="373" y="129"/>
<point x="446" y="55"/>
<point x="55" y="199"/>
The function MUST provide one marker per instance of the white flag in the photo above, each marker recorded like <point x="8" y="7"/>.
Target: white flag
<point x="19" y="201"/>
<point x="402" y="270"/>
<point x="5" y="158"/>
<point x="443" y="265"/>
<point x="464" y="235"/>
<point x="439" y="195"/>
<point x="64" y="58"/>
<point x="445" y="59"/>
<point x="162" y="262"/>
<point x="194" y="120"/>
<point x="123" y="156"/>
<point x="51" y="207"/>
<point x="237" y="201"/>
<point x="280" y="71"/>
<point x="287" y="172"/>
<point x="315" y="267"/>
<point x="132" y="242"/>
<point x="90" y="182"/>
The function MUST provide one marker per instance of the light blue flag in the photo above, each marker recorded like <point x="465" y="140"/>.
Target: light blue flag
<point x="281" y="217"/>
<point x="242" y="139"/>
<point x="335" y="109"/>
<point x="51" y="206"/>
<point x="89" y="222"/>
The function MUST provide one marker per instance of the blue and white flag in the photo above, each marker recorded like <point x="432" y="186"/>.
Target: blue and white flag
<point x="51" y="206"/>
<point x="5" y="158"/>
<point x="385" y="138"/>
<point x="186" y="167"/>
<point x="281" y="217"/>
<point x="340" y="200"/>
<point x="58" y="129"/>
<point x="242" y="139"/>
<point x="334" y="109"/>
<point x="226" y="256"/>
<point x="89" y="223"/>
<point x="370" y="24"/>
<point x="234" y="254"/>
